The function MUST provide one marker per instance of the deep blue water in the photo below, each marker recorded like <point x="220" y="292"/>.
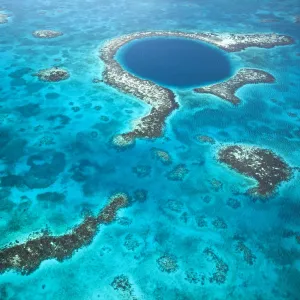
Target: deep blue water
<point x="175" y="62"/>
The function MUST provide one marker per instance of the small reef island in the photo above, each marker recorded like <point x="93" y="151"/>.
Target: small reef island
<point x="46" y="34"/>
<point x="162" y="100"/>
<point x="53" y="74"/>
<point x="3" y="18"/>
<point x="27" y="257"/>
<point x="226" y="90"/>
<point x="268" y="169"/>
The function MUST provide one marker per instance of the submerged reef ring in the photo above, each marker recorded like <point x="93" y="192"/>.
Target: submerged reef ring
<point x="162" y="100"/>
<point x="261" y="164"/>
<point x="3" y="18"/>
<point x="226" y="90"/>
<point x="26" y="257"/>
<point x="53" y="74"/>
<point x="46" y="34"/>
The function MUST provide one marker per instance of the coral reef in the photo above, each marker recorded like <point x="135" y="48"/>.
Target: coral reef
<point x="162" y="100"/>
<point x="178" y="173"/>
<point x="140" y="195"/>
<point x="131" y="243"/>
<point x="201" y="221"/>
<point x="46" y="34"/>
<point x="233" y="203"/>
<point x="51" y="197"/>
<point x="249" y="257"/>
<point x="194" y="277"/>
<point x="226" y="90"/>
<point x="219" y="223"/>
<point x="3" y="18"/>
<point x="220" y="274"/>
<point x="167" y="263"/>
<point x="142" y="171"/>
<point x="122" y="284"/>
<point x="205" y="139"/>
<point x="217" y="185"/>
<point x="261" y="164"/>
<point x="161" y="155"/>
<point x="26" y="257"/>
<point x="53" y="74"/>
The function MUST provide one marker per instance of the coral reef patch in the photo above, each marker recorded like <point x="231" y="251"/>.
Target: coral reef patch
<point x="261" y="164"/>
<point x="226" y="90"/>
<point x="26" y="257"/>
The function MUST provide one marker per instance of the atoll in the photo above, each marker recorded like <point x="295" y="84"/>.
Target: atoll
<point x="52" y="74"/>
<point x="46" y="34"/>
<point x="167" y="263"/>
<point x="162" y="100"/>
<point x="26" y="257"/>
<point x="226" y="90"/>
<point x="3" y="18"/>
<point x="261" y="164"/>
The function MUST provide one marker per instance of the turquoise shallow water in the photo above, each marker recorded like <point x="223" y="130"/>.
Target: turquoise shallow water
<point x="75" y="120"/>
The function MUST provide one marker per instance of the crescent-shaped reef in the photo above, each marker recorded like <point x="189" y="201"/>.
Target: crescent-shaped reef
<point x="162" y="100"/>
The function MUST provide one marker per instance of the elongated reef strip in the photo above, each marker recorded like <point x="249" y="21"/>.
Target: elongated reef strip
<point x="268" y="169"/>
<point x="162" y="100"/>
<point x="26" y="257"/>
<point x="227" y="89"/>
<point x="46" y="34"/>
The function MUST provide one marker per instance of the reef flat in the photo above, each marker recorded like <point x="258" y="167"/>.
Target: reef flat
<point x="227" y="89"/>
<point x="26" y="257"/>
<point x="261" y="164"/>
<point x="162" y="100"/>
<point x="46" y="34"/>
<point x="3" y="18"/>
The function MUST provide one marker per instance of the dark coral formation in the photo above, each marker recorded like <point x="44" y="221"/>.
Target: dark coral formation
<point x="261" y="164"/>
<point x="178" y="173"/>
<point x="205" y="139"/>
<point x="142" y="170"/>
<point x="220" y="274"/>
<point x="122" y="284"/>
<point x="131" y="243"/>
<point x="54" y="74"/>
<point x="26" y="257"/>
<point x="217" y="185"/>
<point x="219" y="223"/>
<point x="161" y="155"/>
<point x="140" y="195"/>
<point x="194" y="277"/>
<point x="167" y="263"/>
<point x="233" y="203"/>
<point x="54" y="197"/>
<point x="248" y="256"/>
<point x="227" y="89"/>
<point x="46" y="34"/>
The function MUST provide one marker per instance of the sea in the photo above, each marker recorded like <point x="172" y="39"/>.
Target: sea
<point x="200" y="236"/>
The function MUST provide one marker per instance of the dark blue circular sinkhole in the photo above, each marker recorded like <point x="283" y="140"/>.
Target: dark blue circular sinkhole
<point x="175" y="62"/>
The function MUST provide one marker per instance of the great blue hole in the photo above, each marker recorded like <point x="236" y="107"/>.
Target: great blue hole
<point x="175" y="62"/>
